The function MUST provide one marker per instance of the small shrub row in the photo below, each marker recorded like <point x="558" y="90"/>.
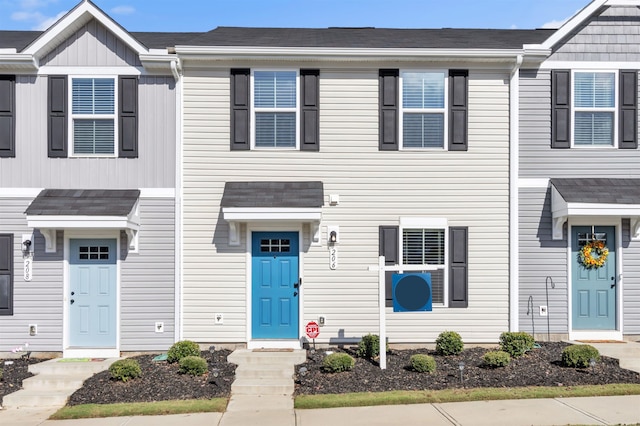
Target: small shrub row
<point x="338" y="362"/>
<point x="369" y="346"/>
<point x="449" y="343"/>
<point x="579" y="356"/>
<point x="193" y="365"/>
<point x="125" y="369"/>
<point x="516" y="343"/>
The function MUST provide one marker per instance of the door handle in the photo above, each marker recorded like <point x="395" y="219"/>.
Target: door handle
<point x="72" y="301"/>
<point x="295" y="293"/>
<point x="73" y="292"/>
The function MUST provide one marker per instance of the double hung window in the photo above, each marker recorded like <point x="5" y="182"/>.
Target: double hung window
<point x="594" y="108"/>
<point x="424" y="103"/>
<point x="93" y="116"/>
<point x="427" y="246"/>
<point x="275" y="109"/>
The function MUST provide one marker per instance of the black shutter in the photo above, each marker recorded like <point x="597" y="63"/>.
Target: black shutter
<point x="628" y="108"/>
<point x="388" y="104"/>
<point x="6" y="274"/>
<point x="57" y="109"/>
<point x="7" y="116"/>
<point x="388" y="247"/>
<point x="561" y="109"/>
<point x="310" y="109"/>
<point x="458" y="114"/>
<point x="128" y="117"/>
<point x="240" y="109"/>
<point x="458" y="272"/>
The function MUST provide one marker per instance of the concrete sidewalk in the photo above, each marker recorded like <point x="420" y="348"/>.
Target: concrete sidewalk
<point x="610" y="410"/>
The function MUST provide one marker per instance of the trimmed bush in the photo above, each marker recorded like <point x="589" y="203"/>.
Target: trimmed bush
<point x="449" y="343"/>
<point x="125" y="369"/>
<point x="516" y="343"/>
<point x="579" y="355"/>
<point x="182" y="349"/>
<point x="193" y="365"/>
<point x="496" y="359"/>
<point x="369" y="346"/>
<point x="423" y="363"/>
<point x="337" y="362"/>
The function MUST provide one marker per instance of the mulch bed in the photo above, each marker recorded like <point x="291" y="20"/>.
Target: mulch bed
<point x="14" y="371"/>
<point x="539" y="367"/>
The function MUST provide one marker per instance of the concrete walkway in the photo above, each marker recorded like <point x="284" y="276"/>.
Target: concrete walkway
<point x="253" y="402"/>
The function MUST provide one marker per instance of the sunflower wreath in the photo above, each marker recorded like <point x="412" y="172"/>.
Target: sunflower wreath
<point x="587" y="251"/>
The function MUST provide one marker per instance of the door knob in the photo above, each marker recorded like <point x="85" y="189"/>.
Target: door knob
<point x="72" y="301"/>
<point x="295" y="293"/>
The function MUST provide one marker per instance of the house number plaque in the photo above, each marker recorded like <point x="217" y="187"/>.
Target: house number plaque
<point x="333" y="257"/>
<point x="28" y="263"/>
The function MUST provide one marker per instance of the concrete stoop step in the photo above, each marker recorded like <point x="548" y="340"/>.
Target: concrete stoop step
<point x="54" y="381"/>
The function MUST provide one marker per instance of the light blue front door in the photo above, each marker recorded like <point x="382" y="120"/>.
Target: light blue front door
<point x="92" y="288"/>
<point x="275" y="285"/>
<point x="593" y="289"/>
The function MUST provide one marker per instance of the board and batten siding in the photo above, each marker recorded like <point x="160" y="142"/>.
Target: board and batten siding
<point x="154" y="167"/>
<point x="541" y="258"/>
<point x="375" y="188"/>
<point x="614" y="35"/>
<point x="92" y="45"/>
<point x="538" y="160"/>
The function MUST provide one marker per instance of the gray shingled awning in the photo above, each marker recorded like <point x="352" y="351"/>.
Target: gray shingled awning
<point x="293" y="202"/>
<point x="588" y="197"/>
<point x="55" y="209"/>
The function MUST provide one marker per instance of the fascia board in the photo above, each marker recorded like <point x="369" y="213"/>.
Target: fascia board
<point x="72" y="21"/>
<point x="79" y="222"/>
<point x="245" y="214"/>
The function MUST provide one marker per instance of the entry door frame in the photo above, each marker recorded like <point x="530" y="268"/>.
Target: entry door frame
<point x="88" y="352"/>
<point x="588" y="334"/>
<point x="273" y="343"/>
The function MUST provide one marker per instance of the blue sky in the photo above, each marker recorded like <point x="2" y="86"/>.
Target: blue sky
<point x="203" y="15"/>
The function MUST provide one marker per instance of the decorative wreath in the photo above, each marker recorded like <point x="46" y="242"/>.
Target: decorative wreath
<point x="586" y="254"/>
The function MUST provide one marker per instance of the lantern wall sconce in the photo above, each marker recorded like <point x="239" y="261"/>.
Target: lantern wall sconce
<point x="333" y="234"/>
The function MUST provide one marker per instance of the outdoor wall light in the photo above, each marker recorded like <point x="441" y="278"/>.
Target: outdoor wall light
<point x="333" y="234"/>
<point x="26" y="247"/>
<point x="333" y="237"/>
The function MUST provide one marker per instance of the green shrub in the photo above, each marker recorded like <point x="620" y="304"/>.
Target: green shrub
<point x="516" y="343"/>
<point x="449" y="343"/>
<point x="337" y="362"/>
<point x="125" y="369"/>
<point x="496" y="359"/>
<point x="579" y="355"/>
<point x="422" y="363"/>
<point x="182" y="349"/>
<point x="194" y="365"/>
<point x="369" y="346"/>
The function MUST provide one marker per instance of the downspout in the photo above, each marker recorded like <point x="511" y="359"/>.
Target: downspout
<point x="176" y="70"/>
<point x="514" y="168"/>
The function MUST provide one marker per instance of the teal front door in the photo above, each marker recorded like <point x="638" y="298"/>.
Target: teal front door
<point x="275" y="285"/>
<point x="593" y="288"/>
<point x="92" y="293"/>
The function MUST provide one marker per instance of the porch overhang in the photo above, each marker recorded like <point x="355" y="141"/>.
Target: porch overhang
<point x="55" y="209"/>
<point x="272" y="202"/>
<point x="594" y="197"/>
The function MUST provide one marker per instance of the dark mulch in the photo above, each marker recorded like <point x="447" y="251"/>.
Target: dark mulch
<point x="14" y="371"/>
<point x="162" y="381"/>
<point x="539" y="367"/>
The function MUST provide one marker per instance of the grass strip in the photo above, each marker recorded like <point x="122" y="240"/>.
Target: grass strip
<point x="158" y="408"/>
<point x="459" y="395"/>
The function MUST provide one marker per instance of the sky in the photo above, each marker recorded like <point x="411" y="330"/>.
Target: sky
<point x="204" y="15"/>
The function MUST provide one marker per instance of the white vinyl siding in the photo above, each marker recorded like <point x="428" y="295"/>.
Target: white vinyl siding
<point x="423" y="123"/>
<point x="93" y="119"/>
<point x="376" y="188"/>
<point x="275" y="109"/>
<point x="594" y="106"/>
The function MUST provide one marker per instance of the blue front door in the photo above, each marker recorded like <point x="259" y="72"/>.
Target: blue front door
<point x="594" y="288"/>
<point x="274" y="271"/>
<point x="92" y="293"/>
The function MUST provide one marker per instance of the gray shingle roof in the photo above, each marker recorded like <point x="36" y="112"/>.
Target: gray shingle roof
<point x="445" y="38"/>
<point x="273" y="194"/>
<point x="598" y="190"/>
<point x="17" y="39"/>
<point x="84" y="202"/>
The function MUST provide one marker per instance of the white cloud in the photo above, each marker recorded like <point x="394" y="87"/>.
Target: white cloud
<point x="29" y="11"/>
<point x="554" y="24"/>
<point x="47" y="22"/>
<point x="514" y="27"/>
<point x="123" y="10"/>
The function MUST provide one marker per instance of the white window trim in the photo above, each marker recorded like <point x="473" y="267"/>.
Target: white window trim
<point x="72" y="116"/>
<point x="443" y="110"/>
<point x="614" y="109"/>
<point x="255" y="110"/>
<point x="428" y="223"/>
